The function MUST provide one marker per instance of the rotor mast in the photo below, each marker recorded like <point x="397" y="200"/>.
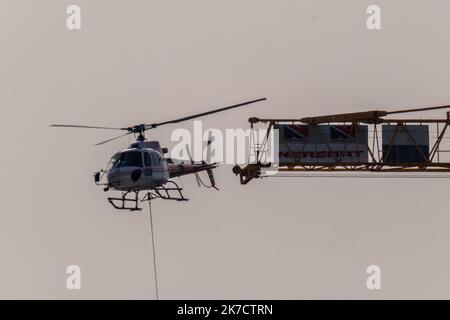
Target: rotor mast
<point x="138" y="131"/>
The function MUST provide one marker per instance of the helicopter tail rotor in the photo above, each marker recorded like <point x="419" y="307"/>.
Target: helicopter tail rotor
<point x="208" y="160"/>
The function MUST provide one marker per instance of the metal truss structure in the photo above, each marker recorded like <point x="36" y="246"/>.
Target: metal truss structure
<point x="378" y="158"/>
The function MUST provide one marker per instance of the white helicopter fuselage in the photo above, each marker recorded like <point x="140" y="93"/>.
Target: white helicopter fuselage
<point x="137" y="169"/>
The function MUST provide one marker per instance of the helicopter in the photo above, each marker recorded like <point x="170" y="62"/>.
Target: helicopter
<point x="142" y="167"/>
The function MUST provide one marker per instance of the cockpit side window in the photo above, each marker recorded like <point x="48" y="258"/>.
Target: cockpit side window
<point x="127" y="159"/>
<point x="147" y="159"/>
<point x="113" y="162"/>
<point x="155" y="159"/>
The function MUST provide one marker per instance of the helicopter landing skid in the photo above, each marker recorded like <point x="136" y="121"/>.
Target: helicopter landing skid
<point x="172" y="192"/>
<point x="121" y="203"/>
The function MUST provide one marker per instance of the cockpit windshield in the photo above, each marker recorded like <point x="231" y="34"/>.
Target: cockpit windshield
<point x="126" y="159"/>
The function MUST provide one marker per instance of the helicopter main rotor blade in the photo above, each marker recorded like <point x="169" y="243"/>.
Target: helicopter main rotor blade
<point x="84" y="127"/>
<point x="122" y="135"/>
<point x="418" y="109"/>
<point x="139" y="129"/>
<point x="154" y="125"/>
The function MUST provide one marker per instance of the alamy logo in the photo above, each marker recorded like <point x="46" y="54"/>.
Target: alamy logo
<point x="374" y="280"/>
<point x="73" y="281"/>
<point x="374" y="18"/>
<point x="234" y="146"/>
<point x="73" y="22"/>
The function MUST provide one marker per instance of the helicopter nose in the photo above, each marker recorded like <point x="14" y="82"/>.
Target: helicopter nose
<point x="124" y="177"/>
<point x="114" y="178"/>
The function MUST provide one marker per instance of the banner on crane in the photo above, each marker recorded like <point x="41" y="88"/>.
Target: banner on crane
<point x="322" y="144"/>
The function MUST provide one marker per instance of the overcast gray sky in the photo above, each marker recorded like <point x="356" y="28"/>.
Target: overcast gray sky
<point x="144" y="61"/>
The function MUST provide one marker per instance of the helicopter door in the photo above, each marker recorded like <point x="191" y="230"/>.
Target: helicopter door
<point x="148" y="171"/>
<point x="153" y="167"/>
<point x="157" y="167"/>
